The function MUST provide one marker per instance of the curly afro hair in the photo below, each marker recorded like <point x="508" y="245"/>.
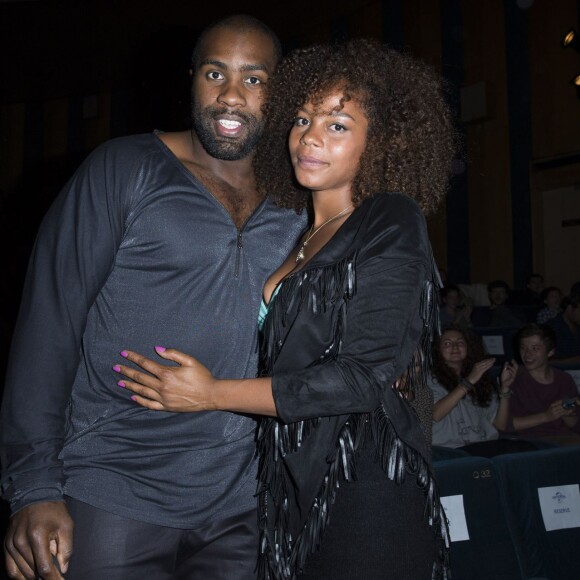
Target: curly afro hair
<point x="484" y="390"/>
<point x="411" y="139"/>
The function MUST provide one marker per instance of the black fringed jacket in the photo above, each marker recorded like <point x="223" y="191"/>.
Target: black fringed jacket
<point x="337" y="336"/>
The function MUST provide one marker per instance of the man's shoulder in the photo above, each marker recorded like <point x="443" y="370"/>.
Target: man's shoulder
<point x="128" y="145"/>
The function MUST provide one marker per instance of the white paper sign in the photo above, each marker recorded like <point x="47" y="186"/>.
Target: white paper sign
<point x="560" y="506"/>
<point x="493" y="344"/>
<point x="575" y="374"/>
<point x="453" y="506"/>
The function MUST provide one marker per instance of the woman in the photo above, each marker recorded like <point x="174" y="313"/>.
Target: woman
<point x="468" y="408"/>
<point x="345" y="315"/>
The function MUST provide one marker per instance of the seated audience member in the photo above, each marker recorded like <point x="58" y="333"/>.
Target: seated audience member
<point x="551" y="298"/>
<point x="531" y="294"/>
<point x="468" y="408"/>
<point x="499" y="313"/>
<point x="566" y="325"/>
<point x="545" y="400"/>
<point x="453" y="309"/>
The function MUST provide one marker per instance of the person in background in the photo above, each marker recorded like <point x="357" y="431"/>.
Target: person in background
<point x="453" y="308"/>
<point x="566" y="325"/>
<point x="551" y="298"/>
<point x="470" y="411"/>
<point x="499" y="313"/>
<point x="531" y="294"/>
<point x="545" y="400"/>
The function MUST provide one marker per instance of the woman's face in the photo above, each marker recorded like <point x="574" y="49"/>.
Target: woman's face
<point x="453" y="347"/>
<point x="326" y="143"/>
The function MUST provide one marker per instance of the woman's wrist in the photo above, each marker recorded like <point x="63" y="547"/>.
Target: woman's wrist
<point x="466" y="385"/>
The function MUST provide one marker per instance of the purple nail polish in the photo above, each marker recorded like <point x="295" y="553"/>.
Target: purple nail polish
<point x="117" y="368"/>
<point x="121" y="384"/>
<point x="124" y="354"/>
<point x="160" y="349"/>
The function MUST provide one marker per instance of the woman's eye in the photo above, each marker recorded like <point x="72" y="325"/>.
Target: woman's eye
<point x="338" y="128"/>
<point x="253" y="81"/>
<point x="300" y="122"/>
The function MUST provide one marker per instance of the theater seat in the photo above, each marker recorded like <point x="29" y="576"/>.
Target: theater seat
<point x="542" y="552"/>
<point x="488" y="554"/>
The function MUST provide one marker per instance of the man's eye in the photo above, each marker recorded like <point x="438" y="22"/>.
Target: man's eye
<point x="215" y="75"/>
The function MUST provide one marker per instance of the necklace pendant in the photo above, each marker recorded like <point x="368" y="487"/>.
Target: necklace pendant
<point x="300" y="254"/>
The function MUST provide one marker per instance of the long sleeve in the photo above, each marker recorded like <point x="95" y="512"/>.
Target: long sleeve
<point x="73" y="254"/>
<point x="381" y="327"/>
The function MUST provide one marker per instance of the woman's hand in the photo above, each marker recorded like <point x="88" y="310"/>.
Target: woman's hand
<point x="185" y="388"/>
<point x="478" y="370"/>
<point x="508" y="375"/>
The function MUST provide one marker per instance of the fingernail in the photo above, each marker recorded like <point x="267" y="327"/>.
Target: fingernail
<point x="117" y="368"/>
<point x="124" y="353"/>
<point x="160" y="349"/>
<point x="133" y="398"/>
<point x="121" y="384"/>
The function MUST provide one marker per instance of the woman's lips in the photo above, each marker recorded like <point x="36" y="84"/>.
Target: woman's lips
<point x="312" y="162"/>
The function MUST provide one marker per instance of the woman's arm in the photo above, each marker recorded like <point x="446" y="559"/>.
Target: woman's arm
<point x="384" y="326"/>
<point x="190" y="387"/>
<point x="444" y="406"/>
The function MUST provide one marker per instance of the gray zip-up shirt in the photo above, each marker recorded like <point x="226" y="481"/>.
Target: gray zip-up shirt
<point x="134" y="253"/>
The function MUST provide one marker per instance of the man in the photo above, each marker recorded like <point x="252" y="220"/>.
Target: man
<point x="540" y="390"/>
<point x="499" y="313"/>
<point x="531" y="294"/>
<point x="566" y="325"/>
<point x="157" y="239"/>
<point x="453" y="309"/>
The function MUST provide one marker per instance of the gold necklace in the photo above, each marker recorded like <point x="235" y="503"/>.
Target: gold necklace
<point x="311" y="234"/>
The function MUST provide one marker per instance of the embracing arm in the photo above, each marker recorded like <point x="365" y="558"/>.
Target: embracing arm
<point x="383" y="328"/>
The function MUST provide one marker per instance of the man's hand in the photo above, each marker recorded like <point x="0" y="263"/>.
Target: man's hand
<point x="36" y="535"/>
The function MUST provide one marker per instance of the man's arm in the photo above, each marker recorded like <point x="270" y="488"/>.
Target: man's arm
<point x="72" y="257"/>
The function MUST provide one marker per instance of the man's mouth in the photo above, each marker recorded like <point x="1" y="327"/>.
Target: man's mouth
<point x="228" y="124"/>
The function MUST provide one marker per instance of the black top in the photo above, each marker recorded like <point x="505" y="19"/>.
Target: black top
<point x="337" y="336"/>
<point x="135" y="253"/>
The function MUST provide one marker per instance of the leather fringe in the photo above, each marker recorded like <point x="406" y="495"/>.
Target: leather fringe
<point x="281" y="556"/>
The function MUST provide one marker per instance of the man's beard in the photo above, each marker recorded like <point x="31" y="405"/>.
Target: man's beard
<point x="221" y="147"/>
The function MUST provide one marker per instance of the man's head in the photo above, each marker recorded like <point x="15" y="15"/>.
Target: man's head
<point x="571" y="309"/>
<point x="551" y="297"/>
<point x="231" y="64"/>
<point x="450" y="296"/>
<point x="498" y="292"/>
<point x="535" y="343"/>
<point x="535" y="283"/>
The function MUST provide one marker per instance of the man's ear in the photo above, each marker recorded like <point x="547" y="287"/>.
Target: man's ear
<point x="552" y="353"/>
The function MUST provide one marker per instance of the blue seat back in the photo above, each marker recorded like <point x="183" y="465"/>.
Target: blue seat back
<point x="489" y="552"/>
<point x="541" y="553"/>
